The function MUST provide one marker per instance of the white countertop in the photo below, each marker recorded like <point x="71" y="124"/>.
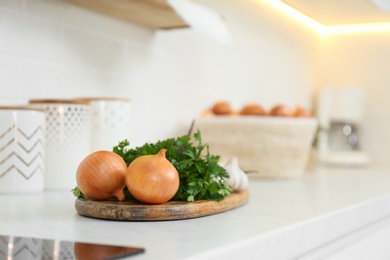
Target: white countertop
<point x="282" y="219"/>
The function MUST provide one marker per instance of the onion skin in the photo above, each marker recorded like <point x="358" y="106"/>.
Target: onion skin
<point x="102" y="175"/>
<point x="152" y="179"/>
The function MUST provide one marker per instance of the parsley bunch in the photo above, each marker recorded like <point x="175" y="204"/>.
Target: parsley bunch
<point x="201" y="177"/>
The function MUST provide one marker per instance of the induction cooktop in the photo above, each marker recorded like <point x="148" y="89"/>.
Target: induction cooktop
<point x="30" y="248"/>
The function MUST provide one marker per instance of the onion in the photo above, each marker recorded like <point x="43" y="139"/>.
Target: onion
<point x="102" y="175"/>
<point x="152" y="179"/>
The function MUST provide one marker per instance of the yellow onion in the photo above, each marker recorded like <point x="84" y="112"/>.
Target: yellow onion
<point x="102" y="175"/>
<point x="152" y="179"/>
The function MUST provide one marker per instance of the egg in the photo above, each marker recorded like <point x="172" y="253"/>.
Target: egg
<point x="302" y="112"/>
<point x="222" y="108"/>
<point x="281" y="110"/>
<point x="253" y="109"/>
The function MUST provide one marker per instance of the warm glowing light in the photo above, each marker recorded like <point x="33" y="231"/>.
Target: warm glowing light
<point x="288" y="10"/>
<point x="327" y="29"/>
<point x="358" y="28"/>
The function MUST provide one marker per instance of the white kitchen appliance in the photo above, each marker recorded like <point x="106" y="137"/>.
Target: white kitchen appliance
<point x="339" y="112"/>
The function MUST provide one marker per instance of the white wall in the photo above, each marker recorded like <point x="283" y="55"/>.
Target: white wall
<point x="52" y="49"/>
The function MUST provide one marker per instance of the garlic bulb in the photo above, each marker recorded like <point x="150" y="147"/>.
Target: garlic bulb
<point x="237" y="177"/>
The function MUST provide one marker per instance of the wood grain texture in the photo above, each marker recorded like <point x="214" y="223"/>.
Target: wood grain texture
<point x="155" y="14"/>
<point x="172" y="210"/>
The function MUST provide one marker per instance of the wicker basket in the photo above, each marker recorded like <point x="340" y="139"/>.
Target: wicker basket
<point x="268" y="147"/>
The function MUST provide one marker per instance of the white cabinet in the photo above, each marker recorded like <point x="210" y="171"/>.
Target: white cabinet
<point x="370" y="243"/>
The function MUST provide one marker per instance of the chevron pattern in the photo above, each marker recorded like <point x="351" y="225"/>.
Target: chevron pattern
<point x="22" y="153"/>
<point x="20" y="248"/>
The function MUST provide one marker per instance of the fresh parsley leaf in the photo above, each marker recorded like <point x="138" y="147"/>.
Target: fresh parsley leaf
<point x="77" y="192"/>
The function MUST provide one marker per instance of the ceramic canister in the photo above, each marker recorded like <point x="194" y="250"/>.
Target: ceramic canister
<point x="13" y="101"/>
<point x="67" y="140"/>
<point x="109" y="121"/>
<point x="22" y="149"/>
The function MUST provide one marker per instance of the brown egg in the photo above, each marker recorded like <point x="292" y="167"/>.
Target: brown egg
<point x="302" y="112"/>
<point x="281" y="110"/>
<point x="253" y="109"/>
<point x="222" y="108"/>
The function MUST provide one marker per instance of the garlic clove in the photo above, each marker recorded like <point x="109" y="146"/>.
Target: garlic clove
<point x="244" y="181"/>
<point x="238" y="178"/>
<point x="222" y="162"/>
<point x="234" y="177"/>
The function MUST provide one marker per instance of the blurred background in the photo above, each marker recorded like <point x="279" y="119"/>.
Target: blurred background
<point x="60" y="49"/>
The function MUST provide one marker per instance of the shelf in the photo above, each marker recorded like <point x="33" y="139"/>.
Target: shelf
<point x="155" y="14"/>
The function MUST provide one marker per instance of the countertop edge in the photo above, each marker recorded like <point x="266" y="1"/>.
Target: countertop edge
<point x="301" y="238"/>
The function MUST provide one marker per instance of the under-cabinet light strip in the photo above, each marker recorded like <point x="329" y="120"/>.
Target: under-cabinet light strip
<point x="294" y="13"/>
<point x="327" y="29"/>
<point x="358" y="28"/>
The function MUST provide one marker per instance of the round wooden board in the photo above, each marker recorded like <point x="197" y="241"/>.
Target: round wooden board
<point x="171" y="210"/>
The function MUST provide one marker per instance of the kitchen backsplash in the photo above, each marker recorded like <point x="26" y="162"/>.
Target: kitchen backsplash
<point x="53" y="49"/>
<point x="50" y="48"/>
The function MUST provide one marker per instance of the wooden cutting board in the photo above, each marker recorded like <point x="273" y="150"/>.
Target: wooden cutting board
<point x="171" y="210"/>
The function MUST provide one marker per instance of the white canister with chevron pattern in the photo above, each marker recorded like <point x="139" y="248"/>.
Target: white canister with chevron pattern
<point x="67" y="140"/>
<point x="22" y="149"/>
